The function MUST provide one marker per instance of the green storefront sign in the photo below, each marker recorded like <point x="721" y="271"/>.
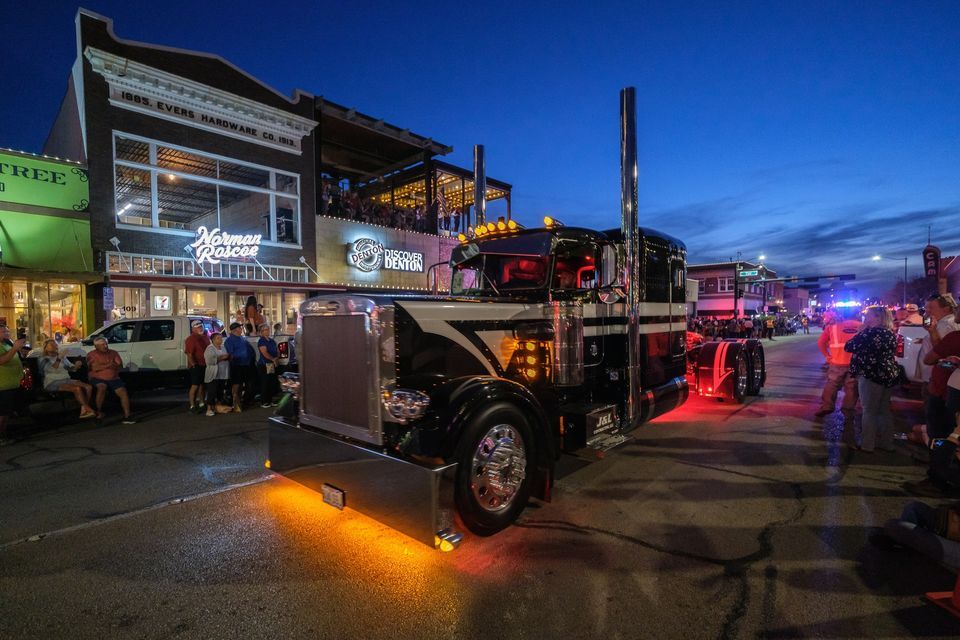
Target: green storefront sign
<point x="43" y="183"/>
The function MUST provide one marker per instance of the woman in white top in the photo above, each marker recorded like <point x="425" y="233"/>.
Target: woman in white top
<point x="55" y="372"/>
<point x="216" y="375"/>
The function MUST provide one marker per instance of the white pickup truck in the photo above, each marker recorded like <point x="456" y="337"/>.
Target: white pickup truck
<point x="152" y="348"/>
<point x="910" y="351"/>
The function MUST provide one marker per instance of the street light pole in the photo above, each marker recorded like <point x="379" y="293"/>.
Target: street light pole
<point x="904" y="282"/>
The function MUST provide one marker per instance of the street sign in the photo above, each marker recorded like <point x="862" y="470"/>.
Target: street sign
<point x="747" y="274"/>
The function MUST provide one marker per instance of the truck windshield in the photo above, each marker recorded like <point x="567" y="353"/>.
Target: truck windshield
<point x="495" y="274"/>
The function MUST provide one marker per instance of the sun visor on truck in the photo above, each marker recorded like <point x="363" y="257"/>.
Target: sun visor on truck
<point x="532" y="244"/>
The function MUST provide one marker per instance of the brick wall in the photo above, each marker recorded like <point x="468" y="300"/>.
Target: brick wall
<point x="102" y="119"/>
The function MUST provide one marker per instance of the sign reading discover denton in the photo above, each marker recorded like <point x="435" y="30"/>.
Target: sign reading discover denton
<point x="369" y="255"/>
<point x="168" y="109"/>
<point x="43" y="183"/>
<point x="215" y="245"/>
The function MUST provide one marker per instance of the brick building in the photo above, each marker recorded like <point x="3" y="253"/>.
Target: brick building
<point x="717" y="283"/>
<point x="205" y="185"/>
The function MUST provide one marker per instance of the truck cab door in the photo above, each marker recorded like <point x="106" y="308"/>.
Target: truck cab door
<point x="156" y="348"/>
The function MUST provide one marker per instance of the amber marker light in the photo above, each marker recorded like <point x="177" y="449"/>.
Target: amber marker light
<point x="547" y="221"/>
<point x="502" y="226"/>
<point x="512" y="225"/>
<point x="491" y="227"/>
<point x="266" y="463"/>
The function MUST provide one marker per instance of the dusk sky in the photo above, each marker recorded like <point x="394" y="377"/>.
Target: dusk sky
<point x="816" y="133"/>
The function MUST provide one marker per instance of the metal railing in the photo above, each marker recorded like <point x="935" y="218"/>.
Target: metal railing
<point x="133" y="263"/>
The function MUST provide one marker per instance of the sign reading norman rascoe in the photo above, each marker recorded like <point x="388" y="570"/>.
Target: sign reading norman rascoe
<point x="214" y="245"/>
<point x="369" y="255"/>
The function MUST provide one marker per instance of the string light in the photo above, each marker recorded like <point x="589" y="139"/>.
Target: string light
<point x="43" y="156"/>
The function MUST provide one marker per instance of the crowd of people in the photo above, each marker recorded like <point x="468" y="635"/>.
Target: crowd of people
<point x="758" y="326"/>
<point x="861" y="360"/>
<point x="343" y="203"/>
<point x="226" y="372"/>
<point x="101" y="370"/>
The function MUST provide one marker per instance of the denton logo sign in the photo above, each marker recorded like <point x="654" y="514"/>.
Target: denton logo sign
<point x="214" y="245"/>
<point x="369" y="255"/>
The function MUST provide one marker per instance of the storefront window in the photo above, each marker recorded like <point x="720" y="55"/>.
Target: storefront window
<point x="38" y="311"/>
<point x="251" y="176"/>
<point x="183" y="161"/>
<point x="185" y="204"/>
<point x="244" y="212"/>
<point x="202" y="303"/>
<point x="129" y="302"/>
<point x="291" y="303"/>
<point x="133" y="196"/>
<point x="287" y="219"/>
<point x="195" y="189"/>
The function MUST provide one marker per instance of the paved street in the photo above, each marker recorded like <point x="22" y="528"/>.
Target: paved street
<point x="717" y="521"/>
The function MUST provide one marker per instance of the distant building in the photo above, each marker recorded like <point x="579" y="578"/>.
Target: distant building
<point x="718" y="282"/>
<point x="950" y="275"/>
<point x="796" y="300"/>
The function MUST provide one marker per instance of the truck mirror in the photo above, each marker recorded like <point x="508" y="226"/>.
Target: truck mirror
<point x="609" y="273"/>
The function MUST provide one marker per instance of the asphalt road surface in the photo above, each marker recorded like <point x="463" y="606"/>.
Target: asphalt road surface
<point x="716" y="521"/>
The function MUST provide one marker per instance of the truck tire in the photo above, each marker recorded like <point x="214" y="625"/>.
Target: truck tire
<point x="758" y="367"/>
<point x="495" y="466"/>
<point x="741" y="376"/>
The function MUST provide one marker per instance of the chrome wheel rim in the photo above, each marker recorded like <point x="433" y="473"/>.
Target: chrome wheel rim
<point x="499" y="468"/>
<point x="741" y="376"/>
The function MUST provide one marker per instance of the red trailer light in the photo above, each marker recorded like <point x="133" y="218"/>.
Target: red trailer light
<point x="899" y="346"/>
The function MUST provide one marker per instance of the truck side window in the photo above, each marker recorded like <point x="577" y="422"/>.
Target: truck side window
<point x="656" y="271"/>
<point x="121" y="333"/>
<point x="679" y="280"/>
<point x="575" y="266"/>
<point x="156" y="331"/>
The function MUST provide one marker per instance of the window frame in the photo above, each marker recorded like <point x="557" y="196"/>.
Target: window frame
<point x="149" y="321"/>
<point x="154" y="170"/>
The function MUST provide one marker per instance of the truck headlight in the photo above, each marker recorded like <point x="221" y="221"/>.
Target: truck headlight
<point x="405" y="405"/>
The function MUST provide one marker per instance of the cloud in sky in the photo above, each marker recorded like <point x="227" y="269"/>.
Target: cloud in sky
<point x="840" y="241"/>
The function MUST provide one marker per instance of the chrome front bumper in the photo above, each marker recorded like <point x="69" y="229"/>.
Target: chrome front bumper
<point x="415" y="499"/>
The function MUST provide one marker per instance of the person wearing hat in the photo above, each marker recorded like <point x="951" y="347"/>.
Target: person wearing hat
<point x="941" y="342"/>
<point x="241" y="365"/>
<point x="195" y="346"/>
<point x="913" y="315"/>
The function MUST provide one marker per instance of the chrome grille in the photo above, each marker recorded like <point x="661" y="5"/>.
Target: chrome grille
<point x="339" y="376"/>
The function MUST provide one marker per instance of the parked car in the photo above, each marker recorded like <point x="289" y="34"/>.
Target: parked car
<point x="909" y="346"/>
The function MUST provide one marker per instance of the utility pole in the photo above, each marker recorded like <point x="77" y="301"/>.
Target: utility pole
<point x="736" y="289"/>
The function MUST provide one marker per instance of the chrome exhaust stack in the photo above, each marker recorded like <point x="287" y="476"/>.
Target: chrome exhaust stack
<point x="479" y="186"/>
<point x="629" y="226"/>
